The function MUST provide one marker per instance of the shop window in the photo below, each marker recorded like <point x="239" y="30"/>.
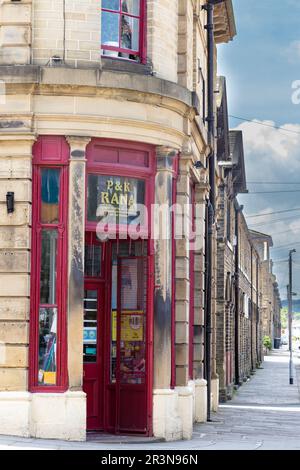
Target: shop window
<point x="90" y="326"/>
<point x="49" y="262"/>
<point x="115" y="199"/>
<point x="122" y="28"/>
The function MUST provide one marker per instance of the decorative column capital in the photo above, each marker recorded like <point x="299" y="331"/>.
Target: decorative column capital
<point x="165" y="151"/>
<point x="78" y="146"/>
<point x="164" y="158"/>
<point x="202" y="191"/>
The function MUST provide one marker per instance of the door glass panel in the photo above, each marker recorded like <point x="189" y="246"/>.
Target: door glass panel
<point x="133" y="320"/>
<point x="133" y="317"/>
<point x="113" y="328"/>
<point x="48" y="267"/>
<point x="50" y="196"/>
<point x="90" y="326"/>
<point x="47" y="345"/>
<point x="92" y="260"/>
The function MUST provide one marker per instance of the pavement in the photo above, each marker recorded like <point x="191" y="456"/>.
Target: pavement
<point x="263" y="415"/>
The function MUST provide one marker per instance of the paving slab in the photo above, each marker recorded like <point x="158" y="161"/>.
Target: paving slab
<point x="264" y="414"/>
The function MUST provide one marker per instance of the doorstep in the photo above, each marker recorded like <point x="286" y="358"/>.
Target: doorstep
<point x="102" y="438"/>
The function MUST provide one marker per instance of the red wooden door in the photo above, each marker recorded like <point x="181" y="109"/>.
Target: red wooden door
<point x="94" y="307"/>
<point x="132" y="364"/>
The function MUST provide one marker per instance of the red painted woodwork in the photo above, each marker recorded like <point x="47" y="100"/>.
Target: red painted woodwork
<point x="131" y="399"/>
<point x="141" y="52"/>
<point x="49" y="152"/>
<point x="118" y="407"/>
<point x="93" y="372"/>
<point x="130" y="159"/>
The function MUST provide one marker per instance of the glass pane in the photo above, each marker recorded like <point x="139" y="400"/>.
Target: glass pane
<point x="111" y="4"/>
<point x="131" y="6"/>
<point x="133" y="321"/>
<point x="90" y="326"/>
<point x="115" y="198"/>
<point x="48" y="267"/>
<point x="113" y="328"/>
<point x="110" y="29"/>
<point x="127" y="248"/>
<point x="47" y="346"/>
<point x="130" y="33"/>
<point x="92" y="260"/>
<point x="50" y="196"/>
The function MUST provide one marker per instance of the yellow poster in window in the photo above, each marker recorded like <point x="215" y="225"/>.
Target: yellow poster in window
<point x="132" y="325"/>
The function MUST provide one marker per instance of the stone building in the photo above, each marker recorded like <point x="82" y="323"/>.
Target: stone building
<point x="104" y="106"/>
<point x="240" y="274"/>
<point x="271" y="303"/>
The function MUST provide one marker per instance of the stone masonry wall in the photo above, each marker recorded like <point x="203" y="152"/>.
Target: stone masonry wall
<point x="15" y="175"/>
<point x="69" y="29"/>
<point x="15" y="32"/>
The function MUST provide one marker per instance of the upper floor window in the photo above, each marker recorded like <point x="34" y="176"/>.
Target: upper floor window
<point x="122" y="29"/>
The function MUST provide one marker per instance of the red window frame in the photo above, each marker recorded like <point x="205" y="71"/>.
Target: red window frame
<point x="146" y="173"/>
<point x="49" y="152"/>
<point x="142" y="17"/>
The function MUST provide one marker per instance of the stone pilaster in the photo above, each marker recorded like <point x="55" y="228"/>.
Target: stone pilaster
<point x="76" y="230"/>
<point x="201" y="195"/>
<point x="163" y="270"/>
<point x="183" y="275"/>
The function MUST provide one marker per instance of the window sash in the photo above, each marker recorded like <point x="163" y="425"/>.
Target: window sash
<point x="139" y="19"/>
<point x="48" y="347"/>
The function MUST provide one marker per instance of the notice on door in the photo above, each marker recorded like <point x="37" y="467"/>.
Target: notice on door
<point x="132" y="325"/>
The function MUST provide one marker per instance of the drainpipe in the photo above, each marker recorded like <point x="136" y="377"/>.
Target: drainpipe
<point x="209" y="7"/>
<point x="210" y="219"/>
<point x="257" y="313"/>
<point x="237" y="297"/>
<point x="251" y="310"/>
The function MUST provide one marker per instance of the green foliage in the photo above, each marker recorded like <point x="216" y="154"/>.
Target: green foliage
<point x="284" y="318"/>
<point x="267" y="343"/>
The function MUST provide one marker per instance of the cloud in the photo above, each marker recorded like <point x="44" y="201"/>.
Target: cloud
<point x="292" y="52"/>
<point x="273" y="155"/>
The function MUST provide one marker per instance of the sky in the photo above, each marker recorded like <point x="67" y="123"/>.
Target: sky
<point x="261" y="65"/>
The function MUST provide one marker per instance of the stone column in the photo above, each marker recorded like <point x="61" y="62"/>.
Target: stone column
<point x="166" y="422"/>
<point x="163" y="270"/>
<point x="182" y="274"/>
<point x="76" y="230"/>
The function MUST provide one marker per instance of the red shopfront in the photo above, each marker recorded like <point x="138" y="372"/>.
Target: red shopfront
<point x="118" y="282"/>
